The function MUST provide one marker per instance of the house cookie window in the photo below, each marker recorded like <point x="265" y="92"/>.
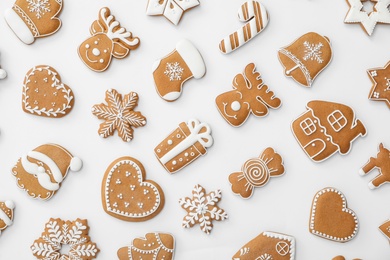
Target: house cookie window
<point x="337" y="120"/>
<point x="308" y="126"/>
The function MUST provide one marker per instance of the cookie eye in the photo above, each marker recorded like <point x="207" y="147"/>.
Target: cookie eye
<point x="87" y="46"/>
<point x="105" y="51"/>
<point x="96" y="42"/>
<point x="101" y="60"/>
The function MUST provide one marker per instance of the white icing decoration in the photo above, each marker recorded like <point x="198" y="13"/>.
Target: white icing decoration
<point x="39" y="7"/>
<point x="313" y="51"/>
<point x="170" y="142"/>
<point x="171" y="9"/>
<point x="289" y="239"/>
<point x="235" y="105"/>
<point x="96" y="52"/>
<point x="173" y="71"/>
<point x="5" y="218"/>
<point x="192" y="58"/>
<point x="156" y="251"/>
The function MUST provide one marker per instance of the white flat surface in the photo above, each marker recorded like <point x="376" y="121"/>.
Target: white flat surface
<point x="282" y="206"/>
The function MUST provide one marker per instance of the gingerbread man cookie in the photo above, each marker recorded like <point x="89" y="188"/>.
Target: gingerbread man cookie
<point x="380" y="77"/>
<point x="173" y="10"/>
<point x="6" y="214"/>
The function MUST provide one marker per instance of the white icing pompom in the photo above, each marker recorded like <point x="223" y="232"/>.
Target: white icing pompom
<point x="3" y="74"/>
<point x="76" y="164"/>
<point x="10" y="204"/>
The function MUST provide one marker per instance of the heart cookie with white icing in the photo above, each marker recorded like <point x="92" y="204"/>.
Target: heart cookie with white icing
<point x="44" y="94"/>
<point x="127" y="195"/>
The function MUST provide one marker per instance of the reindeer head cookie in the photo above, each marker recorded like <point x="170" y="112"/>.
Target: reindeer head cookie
<point x="107" y="39"/>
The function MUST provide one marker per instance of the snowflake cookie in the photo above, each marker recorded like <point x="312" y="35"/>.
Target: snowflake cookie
<point x="58" y="233"/>
<point x="202" y="209"/>
<point x="119" y="115"/>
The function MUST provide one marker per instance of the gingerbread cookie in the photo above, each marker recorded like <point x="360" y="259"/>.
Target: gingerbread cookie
<point x="306" y="57"/>
<point x="385" y="229"/>
<point x="31" y="19"/>
<point x="44" y="94"/>
<point x="268" y="246"/>
<point x="326" y="128"/>
<point x="368" y="20"/>
<point x="256" y="172"/>
<point x="250" y="96"/>
<point x="185" y="144"/>
<point x="6" y="214"/>
<point x="382" y="163"/>
<point x="172" y="71"/>
<point x="255" y="17"/>
<point x="41" y="171"/>
<point x="153" y="246"/>
<point x="202" y="209"/>
<point x="119" y="115"/>
<point x="127" y="195"/>
<point x="59" y="233"/>
<point x="108" y="39"/>
<point x="380" y="77"/>
<point x="3" y="73"/>
<point x="340" y="257"/>
<point x="173" y="10"/>
<point x="330" y="218"/>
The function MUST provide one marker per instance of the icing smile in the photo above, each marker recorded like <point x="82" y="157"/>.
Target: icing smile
<point x="86" y="55"/>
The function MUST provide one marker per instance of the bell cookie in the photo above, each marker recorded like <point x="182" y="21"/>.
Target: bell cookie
<point x="380" y="77"/>
<point x="268" y="246"/>
<point x="41" y="171"/>
<point x="31" y="19"/>
<point x="326" y="128"/>
<point x="153" y="246"/>
<point x="3" y="73"/>
<point x="59" y="233"/>
<point x="250" y="96"/>
<point x="172" y="71"/>
<point x="256" y="172"/>
<point x="330" y="218"/>
<point x="202" y="209"/>
<point x="306" y="57"/>
<point x="6" y="214"/>
<point x="44" y="94"/>
<point x="127" y="195"/>
<point x="108" y="39"/>
<point x="119" y="115"/>
<point x="173" y="10"/>
<point x="368" y="20"/>
<point x="385" y="229"/>
<point x="255" y="17"/>
<point x="185" y="144"/>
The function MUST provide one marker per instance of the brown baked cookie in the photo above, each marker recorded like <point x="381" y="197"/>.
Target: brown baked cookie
<point x="380" y="77"/>
<point x="41" y="171"/>
<point x="127" y="195"/>
<point x="385" y="229"/>
<point x="330" y="218"/>
<point x="326" y="128"/>
<point x="6" y="214"/>
<point x="173" y="10"/>
<point x="268" y="246"/>
<point x="44" y="94"/>
<point x="154" y="246"/>
<point x="340" y="257"/>
<point x="382" y="163"/>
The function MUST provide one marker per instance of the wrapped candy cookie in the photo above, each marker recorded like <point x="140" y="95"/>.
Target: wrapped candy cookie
<point x="6" y="214"/>
<point x="185" y="144"/>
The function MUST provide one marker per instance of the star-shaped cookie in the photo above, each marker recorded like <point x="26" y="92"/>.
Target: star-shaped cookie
<point x="380" y="77"/>
<point x="368" y="21"/>
<point x="119" y="114"/>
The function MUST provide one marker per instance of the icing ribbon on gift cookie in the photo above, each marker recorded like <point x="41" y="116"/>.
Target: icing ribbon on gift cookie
<point x="256" y="17"/>
<point x="173" y="10"/>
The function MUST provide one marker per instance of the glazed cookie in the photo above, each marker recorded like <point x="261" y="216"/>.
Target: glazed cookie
<point x="6" y="214"/>
<point x="3" y="73"/>
<point x="173" y="10"/>
<point x="31" y="19"/>
<point x="330" y="218"/>
<point x="119" y="115"/>
<point x="108" y="39"/>
<point x="41" y="171"/>
<point x="256" y="172"/>
<point x="250" y="96"/>
<point x="59" y="233"/>
<point x="172" y="71"/>
<point x="385" y="229"/>
<point x="127" y="195"/>
<point x="268" y="246"/>
<point x="153" y="246"/>
<point x="380" y="77"/>
<point x="326" y="128"/>
<point x="202" y="209"/>
<point x="368" y="20"/>
<point x="382" y="163"/>
<point x="306" y="57"/>
<point x="185" y="144"/>
<point x="44" y="94"/>
<point x="255" y="17"/>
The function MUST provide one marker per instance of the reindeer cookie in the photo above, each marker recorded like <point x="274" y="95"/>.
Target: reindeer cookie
<point x="108" y="40"/>
<point x="382" y="163"/>
<point x="380" y="77"/>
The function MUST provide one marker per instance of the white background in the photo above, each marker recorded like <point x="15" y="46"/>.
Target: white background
<point x="282" y="206"/>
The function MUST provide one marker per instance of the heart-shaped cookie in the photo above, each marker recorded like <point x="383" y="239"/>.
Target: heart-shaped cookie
<point x="330" y="218"/>
<point x="127" y="195"/>
<point x="44" y="94"/>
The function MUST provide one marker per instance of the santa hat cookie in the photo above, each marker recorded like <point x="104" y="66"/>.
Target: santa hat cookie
<point x="41" y="172"/>
<point x="30" y="19"/>
<point x="6" y="214"/>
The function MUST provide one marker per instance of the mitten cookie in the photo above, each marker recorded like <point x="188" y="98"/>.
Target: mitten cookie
<point x="6" y="214"/>
<point x="41" y="171"/>
<point x="108" y="39"/>
<point x="382" y="163"/>
<point x="182" y="64"/>
<point x="380" y="77"/>
<point x="173" y="10"/>
<point x="30" y="19"/>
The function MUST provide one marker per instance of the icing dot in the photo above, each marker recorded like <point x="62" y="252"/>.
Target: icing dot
<point x="96" y="42"/>
<point x="158" y="150"/>
<point x="186" y="154"/>
<point x="105" y="51"/>
<point x="170" y="142"/>
<point x="101" y="60"/>
<point x="174" y="162"/>
<point x="87" y="46"/>
<point x="313" y="144"/>
<point x="96" y="52"/>
<point x="178" y="135"/>
<point x="235" y="105"/>
<point x="192" y="154"/>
